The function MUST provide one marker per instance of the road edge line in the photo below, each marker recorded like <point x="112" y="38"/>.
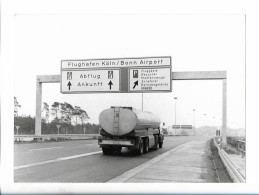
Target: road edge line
<point x="55" y="160"/>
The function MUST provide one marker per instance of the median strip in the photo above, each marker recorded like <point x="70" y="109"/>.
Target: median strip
<point x="128" y="174"/>
<point x="55" y="160"/>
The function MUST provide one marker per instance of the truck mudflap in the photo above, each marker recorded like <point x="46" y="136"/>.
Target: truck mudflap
<point x="161" y="140"/>
<point x="161" y="137"/>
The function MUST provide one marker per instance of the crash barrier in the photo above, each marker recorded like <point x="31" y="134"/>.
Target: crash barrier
<point x="57" y="137"/>
<point x="241" y="146"/>
<point x="232" y="167"/>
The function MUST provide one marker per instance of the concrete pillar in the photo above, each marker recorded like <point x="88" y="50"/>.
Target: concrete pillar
<point x="224" y="112"/>
<point x="38" y="107"/>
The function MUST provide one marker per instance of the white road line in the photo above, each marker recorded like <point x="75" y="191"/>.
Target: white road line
<point x="35" y="164"/>
<point x="80" y="155"/>
<point x="45" y="148"/>
<point x="55" y="160"/>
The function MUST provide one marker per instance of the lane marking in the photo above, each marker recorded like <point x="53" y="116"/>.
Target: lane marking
<point x="80" y="155"/>
<point x="35" y="164"/>
<point x="45" y="148"/>
<point x="55" y="160"/>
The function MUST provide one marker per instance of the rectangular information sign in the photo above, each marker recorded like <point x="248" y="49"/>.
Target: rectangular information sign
<point x="116" y="63"/>
<point x="150" y="79"/>
<point x="80" y="81"/>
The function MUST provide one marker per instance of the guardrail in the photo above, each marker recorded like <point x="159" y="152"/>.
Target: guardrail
<point x="55" y="136"/>
<point x="241" y="146"/>
<point x="231" y="167"/>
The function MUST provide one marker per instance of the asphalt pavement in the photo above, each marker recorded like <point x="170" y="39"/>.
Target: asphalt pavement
<point x="79" y="161"/>
<point x="191" y="162"/>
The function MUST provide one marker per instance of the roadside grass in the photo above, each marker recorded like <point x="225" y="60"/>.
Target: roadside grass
<point x="232" y="145"/>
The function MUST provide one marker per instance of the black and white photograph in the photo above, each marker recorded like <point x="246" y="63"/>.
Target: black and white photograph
<point x="142" y="119"/>
<point x="112" y="98"/>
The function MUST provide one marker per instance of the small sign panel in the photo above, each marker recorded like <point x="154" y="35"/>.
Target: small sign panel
<point x="80" y="81"/>
<point x="150" y="79"/>
<point x="186" y="127"/>
<point x="217" y="132"/>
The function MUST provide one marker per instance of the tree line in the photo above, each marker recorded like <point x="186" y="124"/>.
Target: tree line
<point x="62" y="118"/>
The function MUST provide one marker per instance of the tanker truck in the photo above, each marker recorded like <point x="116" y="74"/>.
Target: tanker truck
<point x="128" y="127"/>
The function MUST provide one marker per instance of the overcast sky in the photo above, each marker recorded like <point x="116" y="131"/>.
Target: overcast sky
<point x="195" y="43"/>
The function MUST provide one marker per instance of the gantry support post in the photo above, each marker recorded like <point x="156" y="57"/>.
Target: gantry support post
<point x="210" y="75"/>
<point x="224" y="113"/>
<point x="39" y="80"/>
<point x="38" y="107"/>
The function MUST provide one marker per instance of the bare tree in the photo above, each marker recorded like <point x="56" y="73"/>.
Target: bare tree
<point x="55" y="110"/>
<point x="46" y="109"/>
<point x="77" y="112"/>
<point x="83" y="116"/>
<point x="69" y="110"/>
<point x="16" y="106"/>
<point x="62" y="112"/>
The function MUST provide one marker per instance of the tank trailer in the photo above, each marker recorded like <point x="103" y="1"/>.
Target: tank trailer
<point x="128" y="127"/>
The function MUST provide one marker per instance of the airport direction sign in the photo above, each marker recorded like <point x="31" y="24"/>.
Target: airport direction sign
<point x="150" y="79"/>
<point x="116" y="63"/>
<point x="116" y="75"/>
<point x="87" y="81"/>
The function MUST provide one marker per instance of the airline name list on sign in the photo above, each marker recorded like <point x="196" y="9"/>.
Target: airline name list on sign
<point x="147" y="79"/>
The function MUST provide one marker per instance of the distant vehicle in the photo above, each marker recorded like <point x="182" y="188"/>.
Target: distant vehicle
<point x="131" y="128"/>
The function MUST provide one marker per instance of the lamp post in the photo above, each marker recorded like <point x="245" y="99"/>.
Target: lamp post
<point x="175" y="98"/>
<point x="142" y="101"/>
<point x="214" y="124"/>
<point x="204" y="121"/>
<point x="194" y="121"/>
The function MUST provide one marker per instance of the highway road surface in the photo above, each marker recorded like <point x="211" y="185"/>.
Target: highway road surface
<point x="78" y="161"/>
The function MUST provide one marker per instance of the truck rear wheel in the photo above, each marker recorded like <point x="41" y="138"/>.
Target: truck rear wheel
<point x="146" y="145"/>
<point x="107" y="151"/>
<point x="161" y="144"/>
<point x="118" y="149"/>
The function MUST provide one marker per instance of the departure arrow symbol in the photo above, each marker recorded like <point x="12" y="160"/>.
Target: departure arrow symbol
<point x="69" y="84"/>
<point x="135" y="84"/>
<point x="110" y="83"/>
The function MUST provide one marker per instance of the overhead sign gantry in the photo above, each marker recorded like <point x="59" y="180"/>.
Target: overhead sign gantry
<point x="121" y="75"/>
<point x="124" y="75"/>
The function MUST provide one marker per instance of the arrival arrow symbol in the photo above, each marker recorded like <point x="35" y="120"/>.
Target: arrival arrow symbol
<point x="110" y="83"/>
<point x="69" y="84"/>
<point x="135" y="84"/>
